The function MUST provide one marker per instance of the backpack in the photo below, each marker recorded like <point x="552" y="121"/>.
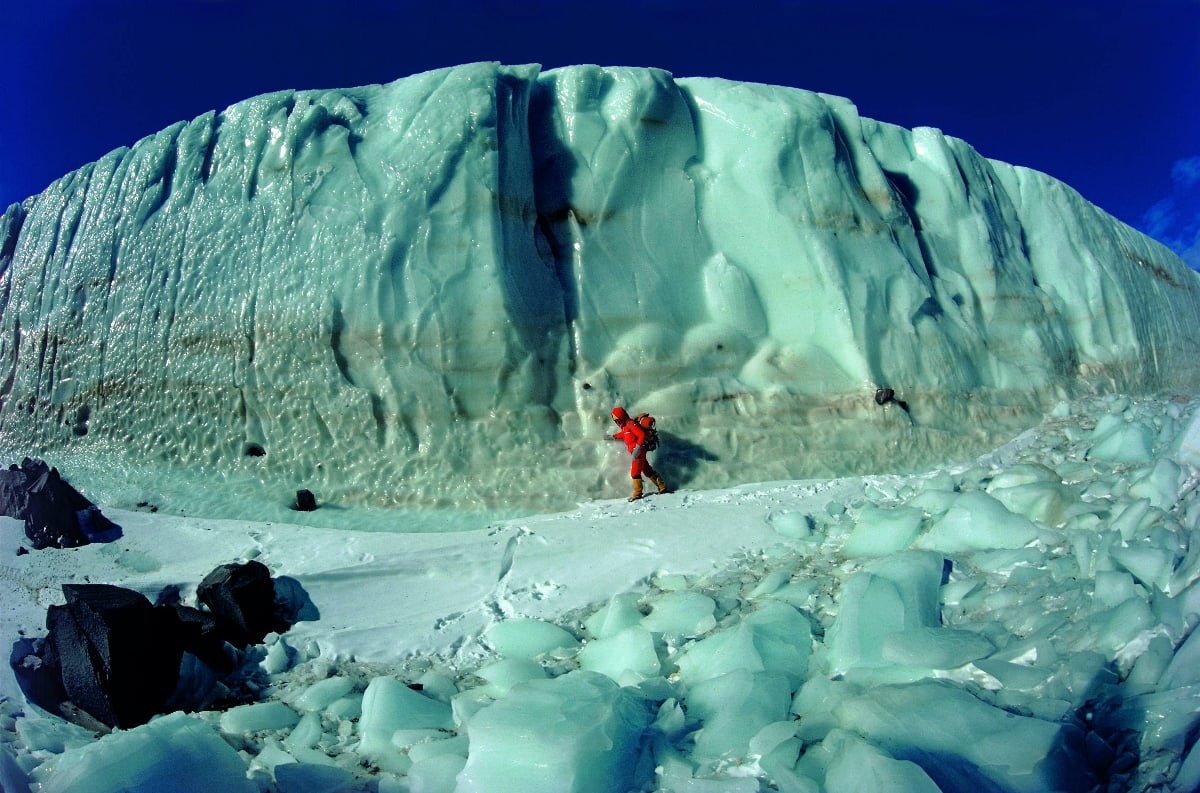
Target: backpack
<point x="647" y="423"/>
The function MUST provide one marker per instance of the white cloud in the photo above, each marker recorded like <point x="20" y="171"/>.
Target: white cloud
<point x="1186" y="173"/>
<point x="1175" y="220"/>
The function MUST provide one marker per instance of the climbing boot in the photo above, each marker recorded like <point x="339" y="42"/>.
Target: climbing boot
<point x="637" y="490"/>
<point x="659" y="483"/>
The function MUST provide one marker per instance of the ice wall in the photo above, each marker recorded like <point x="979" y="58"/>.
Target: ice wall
<point x="432" y="291"/>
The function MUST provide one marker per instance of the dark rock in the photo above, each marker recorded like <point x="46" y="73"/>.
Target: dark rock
<point x="116" y="654"/>
<point x="305" y="501"/>
<point x="885" y="396"/>
<point x="56" y="515"/>
<point x="14" y="492"/>
<point x="112" y="658"/>
<point x="242" y="598"/>
<point x="67" y="651"/>
<point x="202" y="637"/>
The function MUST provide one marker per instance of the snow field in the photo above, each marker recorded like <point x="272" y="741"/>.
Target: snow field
<point x="1024" y="622"/>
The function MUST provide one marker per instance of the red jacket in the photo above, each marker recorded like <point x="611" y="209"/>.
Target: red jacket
<point x="634" y="437"/>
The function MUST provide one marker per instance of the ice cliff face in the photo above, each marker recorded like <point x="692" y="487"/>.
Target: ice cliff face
<point x="433" y="291"/>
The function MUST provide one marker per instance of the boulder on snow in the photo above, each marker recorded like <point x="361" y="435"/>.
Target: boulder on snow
<point x="242" y="598"/>
<point x="117" y="655"/>
<point x="56" y="515"/>
<point x="111" y="658"/>
<point x="887" y="396"/>
<point x="14" y="492"/>
<point x="201" y="636"/>
<point x="306" y="501"/>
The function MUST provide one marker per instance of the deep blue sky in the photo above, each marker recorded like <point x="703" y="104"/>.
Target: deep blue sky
<point x="1102" y="94"/>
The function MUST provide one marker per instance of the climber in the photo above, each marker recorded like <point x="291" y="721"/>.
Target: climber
<point x="634" y="436"/>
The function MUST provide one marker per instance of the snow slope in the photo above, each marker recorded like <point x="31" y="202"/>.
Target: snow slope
<point x="1020" y="622"/>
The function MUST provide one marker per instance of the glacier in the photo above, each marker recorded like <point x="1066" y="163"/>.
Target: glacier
<point x="431" y="292"/>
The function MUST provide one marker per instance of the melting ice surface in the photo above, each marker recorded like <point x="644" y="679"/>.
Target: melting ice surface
<point x="1022" y="622"/>
<point x="431" y="293"/>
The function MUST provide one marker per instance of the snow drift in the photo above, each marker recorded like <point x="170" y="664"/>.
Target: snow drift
<point x="431" y="292"/>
